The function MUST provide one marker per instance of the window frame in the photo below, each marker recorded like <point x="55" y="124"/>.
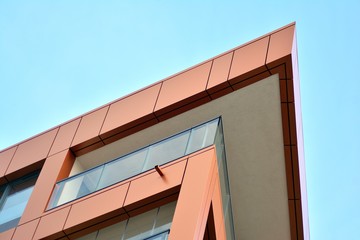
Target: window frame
<point x="5" y="193"/>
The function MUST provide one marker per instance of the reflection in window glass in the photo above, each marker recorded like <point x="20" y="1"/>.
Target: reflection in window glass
<point x="154" y="224"/>
<point x="171" y="148"/>
<point x="164" y="217"/>
<point x="224" y="181"/>
<point x="90" y="182"/>
<point x="202" y="136"/>
<point x="13" y="199"/>
<point x="140" y="227"/>
<point x="161" y="236"/>
<point x="123" y="168"/>
<point x="112" y="232"/>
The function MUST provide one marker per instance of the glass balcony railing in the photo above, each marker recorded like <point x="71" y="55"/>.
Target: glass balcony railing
<point x="134" y="163"/>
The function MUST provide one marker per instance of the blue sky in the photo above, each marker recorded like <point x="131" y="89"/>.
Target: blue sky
<point x="60" y="59"/>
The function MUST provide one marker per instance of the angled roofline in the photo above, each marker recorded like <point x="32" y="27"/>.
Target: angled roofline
<point x="273" y="53"/>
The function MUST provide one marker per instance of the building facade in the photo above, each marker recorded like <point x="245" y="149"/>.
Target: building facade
<point x="213" y="152"/>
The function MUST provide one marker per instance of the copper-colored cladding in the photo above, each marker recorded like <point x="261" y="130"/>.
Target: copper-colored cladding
<point x="96" y="209"/>
<point x="279" y="70"/>
<point x="299" y="217"/>
<point x="119" y="117"/>
<point x="25" y="231"/>
<point x="29" y="154"/>
<point x="142" y="190"/>
<point x="280" y="47"/>
<point x="127" y="132"/>
<point x="55" y="168"/>
<point x="91" y="229"/>
<point x="285" y="122"/>
<point x="196" y="195"/>
<point x="5" y="158"/>
<point x="52" y="224"/>
<point x="219" y="73"/>
<point x="7" y="235"/>
<point x="219" y="220"/>
<point x="182" y="89"/>
<point x="65" y="136"/>
<point x="289" y="169"/>
<point x="293" y="227"/>
<point x="89" y="128"/>
<point x="251" y="62"/>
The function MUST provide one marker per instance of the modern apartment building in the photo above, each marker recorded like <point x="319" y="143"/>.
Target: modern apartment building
<point x="213" y="152"/>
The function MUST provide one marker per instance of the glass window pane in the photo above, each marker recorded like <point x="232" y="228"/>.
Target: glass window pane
<point x="211" y="128"/>
<point x="13" y="201"/>
<point x="2" y="189"/>
<point x="123" y="168"/>
<point x="112" y="232"/>
<point x="76" y="187"/>
<point x="161" y="236"/>
<point x="67" y="190"/>
<point x="196" y="141"/>
<point x="164" y="218"/>
<point x="90" y="182"/>
<point x="202" y="136"/>
<point x="140" y="227"/>
<point x="167" y="150"/>
<point x="91" y="236"/>
<point x="15" y="204"/>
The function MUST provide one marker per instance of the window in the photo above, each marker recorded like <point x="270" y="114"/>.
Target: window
<point x="152" y="225"/>
<point x="13" y="199"/>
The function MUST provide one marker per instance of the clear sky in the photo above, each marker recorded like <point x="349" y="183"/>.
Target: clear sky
<point x="60" y="59"/>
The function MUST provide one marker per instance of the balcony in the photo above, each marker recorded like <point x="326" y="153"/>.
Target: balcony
<point x="134" y="163"/>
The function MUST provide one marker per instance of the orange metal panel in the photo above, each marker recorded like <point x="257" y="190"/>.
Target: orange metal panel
<point x="64" y="137"/>
<point x="31" y="153"/>
<point x="191" y="105"/>
<point x="56" y="167"/>
<point x="299" y="219"/>
<point x="280" y="46"/>
<point x="92" y="147"/>
<point x="292" y="123"/>
<point x="283" y="91"/>
<point x="96" y="209"/>
<point x="93" y="228"/>
<point x="219" y="73"/>
<point x="285" y="123"/>
<point x="183" y="89"/>
<point x="129" y="131"/>
<point x="5" y="159"/>
<point x="152" y="186"/>
<point x="251" y="80"/>
<point x="287" y="91"/>
<point x="26" y="231"/>
<point x="218" y="211"/>
<point x="122" y="114"/>
<point x="292" y="216"/>
<point x="295" y="163"/>
<point x="51" y="225"/>
<point x="221" y="93"/>
<point x="249" y="60"/>
<point x="279" y="70"/>
<point x="7" y="235"/>
<point x="193" y="203"/>
<point x="290" y="91"/>
<point x="289" y="172"/>
<point x="89" y="129"/>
